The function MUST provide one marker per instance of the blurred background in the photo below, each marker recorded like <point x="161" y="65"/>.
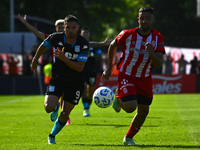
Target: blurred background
<point x="178" y="21"/>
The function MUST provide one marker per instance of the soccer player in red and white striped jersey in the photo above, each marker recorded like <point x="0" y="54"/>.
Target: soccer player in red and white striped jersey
<point x="142" y="47"/>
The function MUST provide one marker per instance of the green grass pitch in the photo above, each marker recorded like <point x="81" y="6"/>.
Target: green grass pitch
<point x="173" y="123"/>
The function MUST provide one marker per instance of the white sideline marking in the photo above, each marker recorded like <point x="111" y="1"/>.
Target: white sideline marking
<point x="16" y="100"/>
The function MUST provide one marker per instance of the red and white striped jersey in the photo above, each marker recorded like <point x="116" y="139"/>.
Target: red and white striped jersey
<point x="135" y="60"/>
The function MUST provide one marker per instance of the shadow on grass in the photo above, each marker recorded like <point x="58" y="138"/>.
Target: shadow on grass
<point x="147" y="117"/>
<point x="145" y="146"/>
<point x="114" y="125"/>
<point x="91" y="124"/>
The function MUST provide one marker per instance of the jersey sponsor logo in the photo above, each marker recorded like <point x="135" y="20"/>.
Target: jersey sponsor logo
<point x="77" y="48"/>
<point x="60" y="43"/>
<point x="128" y="40"/>
<point x="71" y="56"/>
<point x="83" y="58"/>
<point x="141" y="51"/>
<point x="143" y="43"/>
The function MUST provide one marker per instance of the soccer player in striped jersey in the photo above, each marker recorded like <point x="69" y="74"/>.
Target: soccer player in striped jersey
<point x="142" y="47"/>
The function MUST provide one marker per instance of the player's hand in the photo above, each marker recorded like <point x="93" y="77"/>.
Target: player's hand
<point x="107" y="41"/>
<point x="149" y="47"/>
<point x="60" y="54"/>
<point x="106" y="74"/>
<point x="23" y="20"/>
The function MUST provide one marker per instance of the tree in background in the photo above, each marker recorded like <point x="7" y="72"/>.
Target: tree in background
<point x="176" y="19"/>
<point x="103" y="17"/>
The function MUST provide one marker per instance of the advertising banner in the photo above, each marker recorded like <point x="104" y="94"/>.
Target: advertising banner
<point x="161" y="83"/>
<point x="174" y="83"/>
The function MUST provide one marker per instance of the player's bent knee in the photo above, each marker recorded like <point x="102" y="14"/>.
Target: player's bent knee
<point x="49" y="108"/>
<point x="130" y="106"/>
<point x="129" y="109"/>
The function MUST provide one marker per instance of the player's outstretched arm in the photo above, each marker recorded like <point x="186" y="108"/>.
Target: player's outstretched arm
<point x="95" y="44"/>
<point x="38" y="33"/>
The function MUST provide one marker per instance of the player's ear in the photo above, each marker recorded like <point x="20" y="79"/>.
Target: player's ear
<point x="138" y="19"/>
<point x="78" y="26"/>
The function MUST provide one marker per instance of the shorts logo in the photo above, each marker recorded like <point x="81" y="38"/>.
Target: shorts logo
<point x="92" y="80"/>
<point x="51" y="88"/>
<point x="124" y="81"/>
<point x="124" y="85"/>
<point x="125" y="90"/>
<point x="75" y="101"/>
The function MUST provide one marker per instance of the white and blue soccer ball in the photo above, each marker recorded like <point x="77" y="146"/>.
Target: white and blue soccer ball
<point x="103" y="97"/>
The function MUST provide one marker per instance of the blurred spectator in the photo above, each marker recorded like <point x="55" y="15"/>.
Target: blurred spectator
<point x="182" y="65"/>
<point x="27" y="66"/>
<point x="168" y="69"/>
<point x="1" y="66"/>
<point x="156" y="70"/>
<point x="194" y="66"/>
<point x="32" y="51"/>
<point x="12" y="63"/>
<point x="199" y="66"/>
<point x="99" y="63"/>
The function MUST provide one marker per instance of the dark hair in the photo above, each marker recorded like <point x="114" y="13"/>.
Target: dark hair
<point x="146" y="9"/>
<point x="85" y="28"/>
<point x="70" y="18"/>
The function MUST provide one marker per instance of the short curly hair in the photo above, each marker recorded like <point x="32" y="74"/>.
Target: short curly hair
<point x="146" y="9"/>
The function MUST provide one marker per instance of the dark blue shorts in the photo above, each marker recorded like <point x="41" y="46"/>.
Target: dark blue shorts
<point x="90" y="78"/>
<point x="73" y="90"/>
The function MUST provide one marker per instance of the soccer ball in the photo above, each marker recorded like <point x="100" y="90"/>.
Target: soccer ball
<point x="103" y="97"/>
